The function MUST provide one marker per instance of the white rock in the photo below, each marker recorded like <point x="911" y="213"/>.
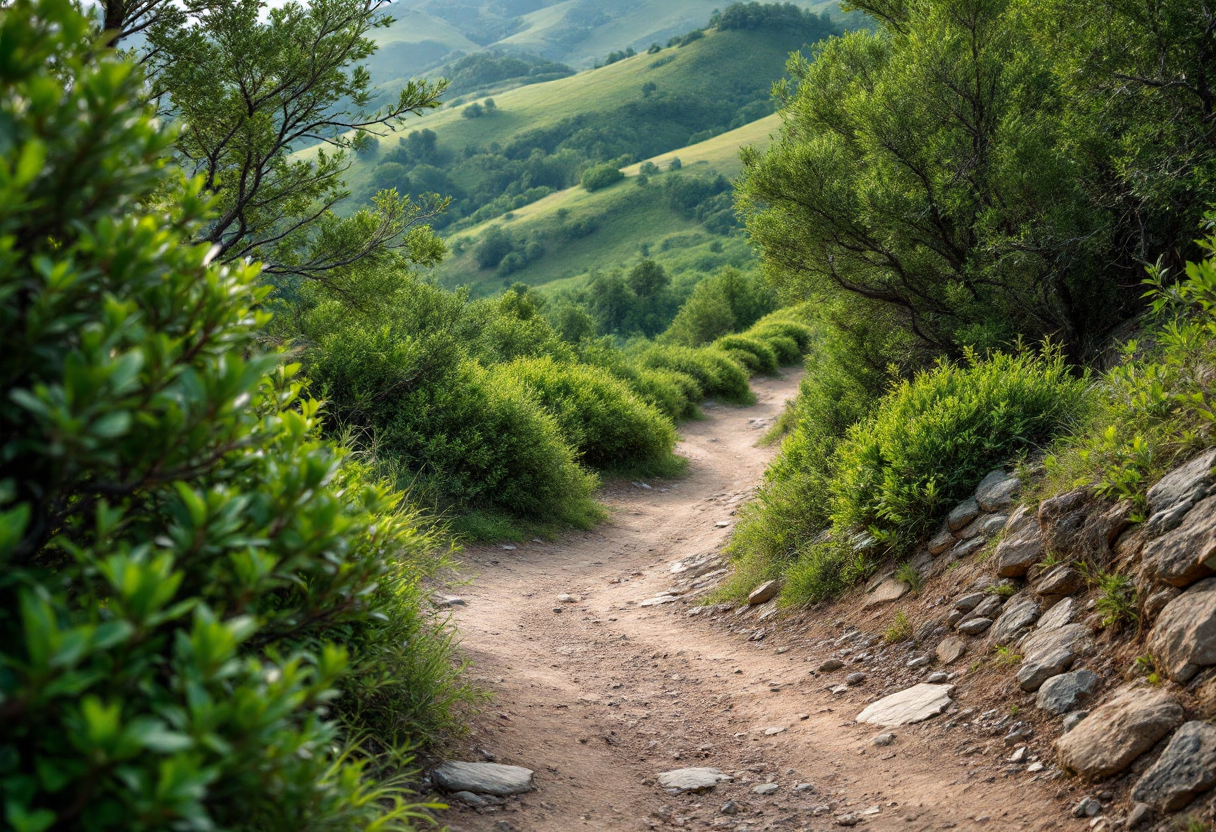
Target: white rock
<point x="915" y="704"/>
<point x="483" y="778"/>
<point x="692" y="779"/>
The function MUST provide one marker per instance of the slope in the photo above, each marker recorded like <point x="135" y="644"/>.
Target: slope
<point x="579" y="232"/>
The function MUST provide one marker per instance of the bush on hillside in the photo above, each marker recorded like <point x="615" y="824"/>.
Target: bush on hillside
<point x="600" y="177"/>
<point x="610" y="427"/>
<point x="761" y="358"/>
<point x="721" y="304"/>
<point x="195" y="589"/>
<point x="718" y="375"/>
<point x="471" y="437"/>
<point x="673" y="393"/>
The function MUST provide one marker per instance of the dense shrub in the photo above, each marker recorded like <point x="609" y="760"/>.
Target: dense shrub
<point x="194" y="587"/>
<point x="721" y="304"/>
<point x="610" y="427"/>
<point x="756" y="355"/>
<point x="472" y="437"/>
<point x="675" y="394"/>
<point x="601" y="176"/>
<point x="718" y="375"/>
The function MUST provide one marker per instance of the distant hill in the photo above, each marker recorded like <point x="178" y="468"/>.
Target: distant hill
<point x="427" y="34"/>
<point x="576" y="232"/>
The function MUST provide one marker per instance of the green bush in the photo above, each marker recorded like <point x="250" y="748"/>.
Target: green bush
<point x="599" y="416"/>
<point x="723" y="303"/>
<point x="784" y="347"/>
<point x="196" y="591"/>
<point x="764" y="357"/>
<point x="934" y="437"/>
<point x="600" y="177"/>
<point x="675" y="394"/>
<point x="718" y="375"/>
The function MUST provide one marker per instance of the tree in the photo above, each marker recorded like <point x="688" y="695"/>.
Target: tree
<point x="923" y="169"/>
<point x="474" y="110"/>
<point x="251" y="85"/>
<point x="647" y="279"/>
<point x="601" y="176"/>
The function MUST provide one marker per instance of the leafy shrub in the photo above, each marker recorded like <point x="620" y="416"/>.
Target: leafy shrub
<point x="598" y="415"/>
<point x="783" y="347"/>
<point x="675" y="394"/>
<point x="718" y="375"/>
<point x="765" y="359"/>
<point x="723" y="303"/>
<point x="935" y="436"/>
<point x="195" y="589"/>
<point x="600" y="177"/>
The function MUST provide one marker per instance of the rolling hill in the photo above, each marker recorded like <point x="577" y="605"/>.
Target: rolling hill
<point x="628" y="222"/>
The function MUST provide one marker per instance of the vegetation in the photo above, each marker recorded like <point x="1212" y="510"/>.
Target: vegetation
<point x="205" y="606"/>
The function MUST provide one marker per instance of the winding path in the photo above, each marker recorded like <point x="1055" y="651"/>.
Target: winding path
<point x="605" y="694"/>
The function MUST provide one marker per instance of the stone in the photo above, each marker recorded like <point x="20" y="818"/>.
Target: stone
<point x="831" y="665"/>
<point x="974" y="626"/>
<point x="730" y="807"/>
<point x="918" y="661"/>
<point x="1183" y="486"/>
<point x="973" y="529"/>
<point x="1179" y="557"/>
<point x="993" y="524"/>
<point x="1018" y="552"/>
<point x="1087" y="808"/>
<point x="938" y="678"/>
<point x="996" y="491"/>
<point x="854" y="679"/>
<point x="888" y="591"/>
<point x="1020" y="613"/>
<point x="1062" y="520"/>
<point x="1156" y="602"/>
<point x="969" y="602"/>
<point x="1048" y="653"/>
<point x="967" y="548"/>
<point x="1060" y="580"/>
<point x="767" y="591"/>
<point x="1073" y="720"/>
<point x="963" y="514"/>
<point x="451" y="601"/>
<point x="883" y="740"/>
<point x="1138" y="815"/>
<point x="469" y="799"/>
<point x="1022" y="518"/>
<point x="1114" y="735"/>
<point x="1068" y="691"/>
<point x="1058" y="616"/>
<point x="941" y="543"/>
<point x="915" y="704"/>
<point x="1183" y="639"/>
<point x="951" y="650"/>
<point x="990" y="607"/>
<point x="651" y="602"/>
<point x="766" y="789"/>
<point x="1185" y="769"/>
<point x="483" y="778"/>
<point x="692" y="779"/>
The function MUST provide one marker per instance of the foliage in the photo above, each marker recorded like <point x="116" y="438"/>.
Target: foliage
<point x="483" y="69"/>
<point x="600" y="177"/>
<point x="727" y="302"/>
<point x="250" y="84"/>
<point x="910" y="576"/>
<point x="599" y="416"/>
<point x="1117" y="600"/>
<point x="1005" y="657"/>
<point x="203" y="605"/>
<point x="900" y="629"/>
<point x="752" y="352"/>
<point x="717" y="374"/>
<point x="785" y="16"/>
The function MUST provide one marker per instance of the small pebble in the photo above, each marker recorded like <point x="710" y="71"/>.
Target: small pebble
<point x="855" y="679"/>
<point x="938" y="678"/>
<point x="1087" y="808"/>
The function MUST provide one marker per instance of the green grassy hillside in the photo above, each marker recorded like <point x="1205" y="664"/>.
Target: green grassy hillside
<point x="628" y="221"/>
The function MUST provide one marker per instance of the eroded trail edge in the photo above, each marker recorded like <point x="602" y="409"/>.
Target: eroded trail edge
<point x="599" y="692"/>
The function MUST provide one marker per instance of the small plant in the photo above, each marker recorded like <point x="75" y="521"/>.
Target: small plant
<point x="976" y="667"/>
<point x="1190" y="823"/>
<point x="1116" y="599"/>
<point x="1005" y="657"/>
<point x="900" y="629"/>
<point x="908" y="574"/>
<point x="1002" y="590"/>
<point x="1051" y="560"/>
<point x="1014" y="710"/>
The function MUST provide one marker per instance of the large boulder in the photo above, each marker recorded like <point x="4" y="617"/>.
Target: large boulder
<point x="1183" y="639"/>
<point x="1019" y="614"/>
<point x="483" y="778"/>
<point x="1019" y="551"/>
<point x="996" y="491"/>
<point x="1174" y="494"/>
<point x="1179" y="556"/>
<point x="1186" y="769"/>
<point x="915" y="704"/>
<point x="1047" y="653"/>
<point x="1113" y="736"/>
<point x="1068" y="692"/>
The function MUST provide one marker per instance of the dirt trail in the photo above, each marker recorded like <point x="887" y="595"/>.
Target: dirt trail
<point x="604" y="695"/>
